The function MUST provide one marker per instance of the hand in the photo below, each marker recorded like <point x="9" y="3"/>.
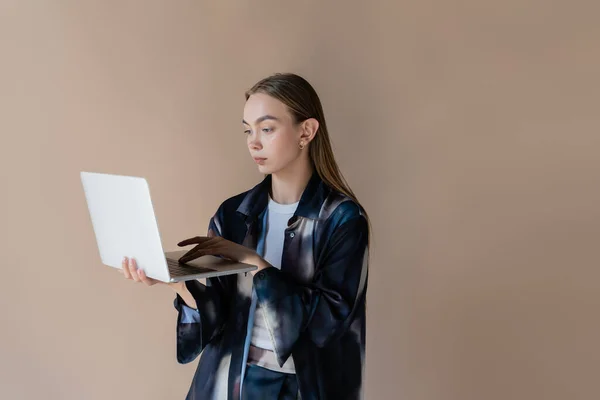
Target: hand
<point x="131" y="271"/>
<point x="217" y="246"/>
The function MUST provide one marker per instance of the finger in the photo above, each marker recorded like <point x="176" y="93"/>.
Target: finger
<point x="197" y="254"/>
<point x="188" y="241"/>
<point x="208" y="243"/>
<point x="205" y="251"/>
<point x="145" y="279"/>
<point x="125" y="265"/>
<point x="194" y="253"/>
<point x="194" y="240"/>
<point x="190" y="255"/>
<point x="187" y="256"/>
<point x="133" y="270"/>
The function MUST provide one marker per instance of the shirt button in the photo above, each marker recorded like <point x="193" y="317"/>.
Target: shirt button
<point x="292" y="234"/>
<point x="261" y="275"/>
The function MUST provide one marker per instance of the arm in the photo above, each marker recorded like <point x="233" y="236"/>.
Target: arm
<point x="197" y="327"/>
<point x="323" y="309"/>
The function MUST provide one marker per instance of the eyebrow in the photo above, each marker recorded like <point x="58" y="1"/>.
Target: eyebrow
<point x="261" y="119"/>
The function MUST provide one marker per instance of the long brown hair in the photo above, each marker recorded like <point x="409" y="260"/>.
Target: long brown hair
<point x="304" y="103"/>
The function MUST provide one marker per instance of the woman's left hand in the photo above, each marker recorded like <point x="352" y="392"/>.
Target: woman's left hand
<point x="217" y="246"/>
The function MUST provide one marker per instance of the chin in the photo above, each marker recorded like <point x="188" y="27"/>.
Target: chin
<point x="263" y="169"/>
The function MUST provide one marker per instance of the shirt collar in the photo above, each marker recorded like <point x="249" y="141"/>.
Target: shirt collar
<point x="257" y="199"/>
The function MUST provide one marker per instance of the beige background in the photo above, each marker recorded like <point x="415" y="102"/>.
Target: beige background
<point x="469" y="129"/>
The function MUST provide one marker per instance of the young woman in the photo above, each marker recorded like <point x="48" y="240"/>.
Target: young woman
<point x="294" y="328"/>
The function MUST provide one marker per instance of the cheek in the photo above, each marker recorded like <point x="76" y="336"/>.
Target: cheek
<point x="278" y="144"/>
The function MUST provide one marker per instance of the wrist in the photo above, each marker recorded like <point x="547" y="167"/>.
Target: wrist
<point x="178" y="287"/>
<point x="252" y="259"/>
<point x="261" y="264"/>
<point x="184" y="293"/>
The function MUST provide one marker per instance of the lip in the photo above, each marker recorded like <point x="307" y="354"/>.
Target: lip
<point x="259" y="160"/>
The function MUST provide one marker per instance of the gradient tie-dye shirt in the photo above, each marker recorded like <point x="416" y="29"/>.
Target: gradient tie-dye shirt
<point x="314" y="306"/>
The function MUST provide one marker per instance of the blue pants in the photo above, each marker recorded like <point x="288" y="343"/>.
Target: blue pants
<point x="261" y="383"/>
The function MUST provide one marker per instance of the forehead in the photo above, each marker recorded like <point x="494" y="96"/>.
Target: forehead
<point x="260" y="104"/>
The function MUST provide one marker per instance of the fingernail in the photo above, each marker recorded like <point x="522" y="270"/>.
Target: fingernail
<point x="131" y="261"/>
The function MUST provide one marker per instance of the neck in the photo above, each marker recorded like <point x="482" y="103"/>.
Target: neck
<point x="288" y="184"/>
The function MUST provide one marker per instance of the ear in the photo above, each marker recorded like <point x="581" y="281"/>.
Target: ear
<point x="309" y="129"/>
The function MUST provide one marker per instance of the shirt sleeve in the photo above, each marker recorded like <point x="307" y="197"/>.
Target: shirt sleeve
<point x="196" y="328"/>
<point x="323" y="309"/>
<point x="190" y="316"/>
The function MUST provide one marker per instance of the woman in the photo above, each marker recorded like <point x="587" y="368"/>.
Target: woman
<point x="295" y="327"/>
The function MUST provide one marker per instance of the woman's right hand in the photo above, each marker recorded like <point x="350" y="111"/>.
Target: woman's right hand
<point x="131" y="271"/>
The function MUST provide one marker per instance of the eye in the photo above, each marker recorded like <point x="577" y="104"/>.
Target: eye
<point x="267" y="130"/>
<point x="247" y="131"/>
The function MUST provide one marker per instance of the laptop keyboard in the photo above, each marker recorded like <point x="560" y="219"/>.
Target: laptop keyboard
<point x="178" y="269"/>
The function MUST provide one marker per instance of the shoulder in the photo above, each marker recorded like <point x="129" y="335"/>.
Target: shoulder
<point x="343" y="224"/>
<point x="339" y="208"/>
<point x="341" y="218"/>
<point x="230" y="206"/>
<point x="226" y="220"/>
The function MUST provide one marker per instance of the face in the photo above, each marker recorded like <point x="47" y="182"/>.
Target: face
<point x="273" y="137"/>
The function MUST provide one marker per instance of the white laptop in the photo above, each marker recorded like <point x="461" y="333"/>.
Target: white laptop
<point x="125" y="226"/>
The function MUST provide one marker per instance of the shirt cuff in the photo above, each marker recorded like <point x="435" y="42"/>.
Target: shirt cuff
<point x="189" y="315"/>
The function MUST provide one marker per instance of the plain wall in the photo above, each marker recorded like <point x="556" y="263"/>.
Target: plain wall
<point x="470" y="131"/>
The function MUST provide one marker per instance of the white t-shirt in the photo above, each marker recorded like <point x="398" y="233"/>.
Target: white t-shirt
<point x="277" y="222"/>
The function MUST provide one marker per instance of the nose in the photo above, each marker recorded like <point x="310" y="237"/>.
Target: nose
<point x="254" y="142"/>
